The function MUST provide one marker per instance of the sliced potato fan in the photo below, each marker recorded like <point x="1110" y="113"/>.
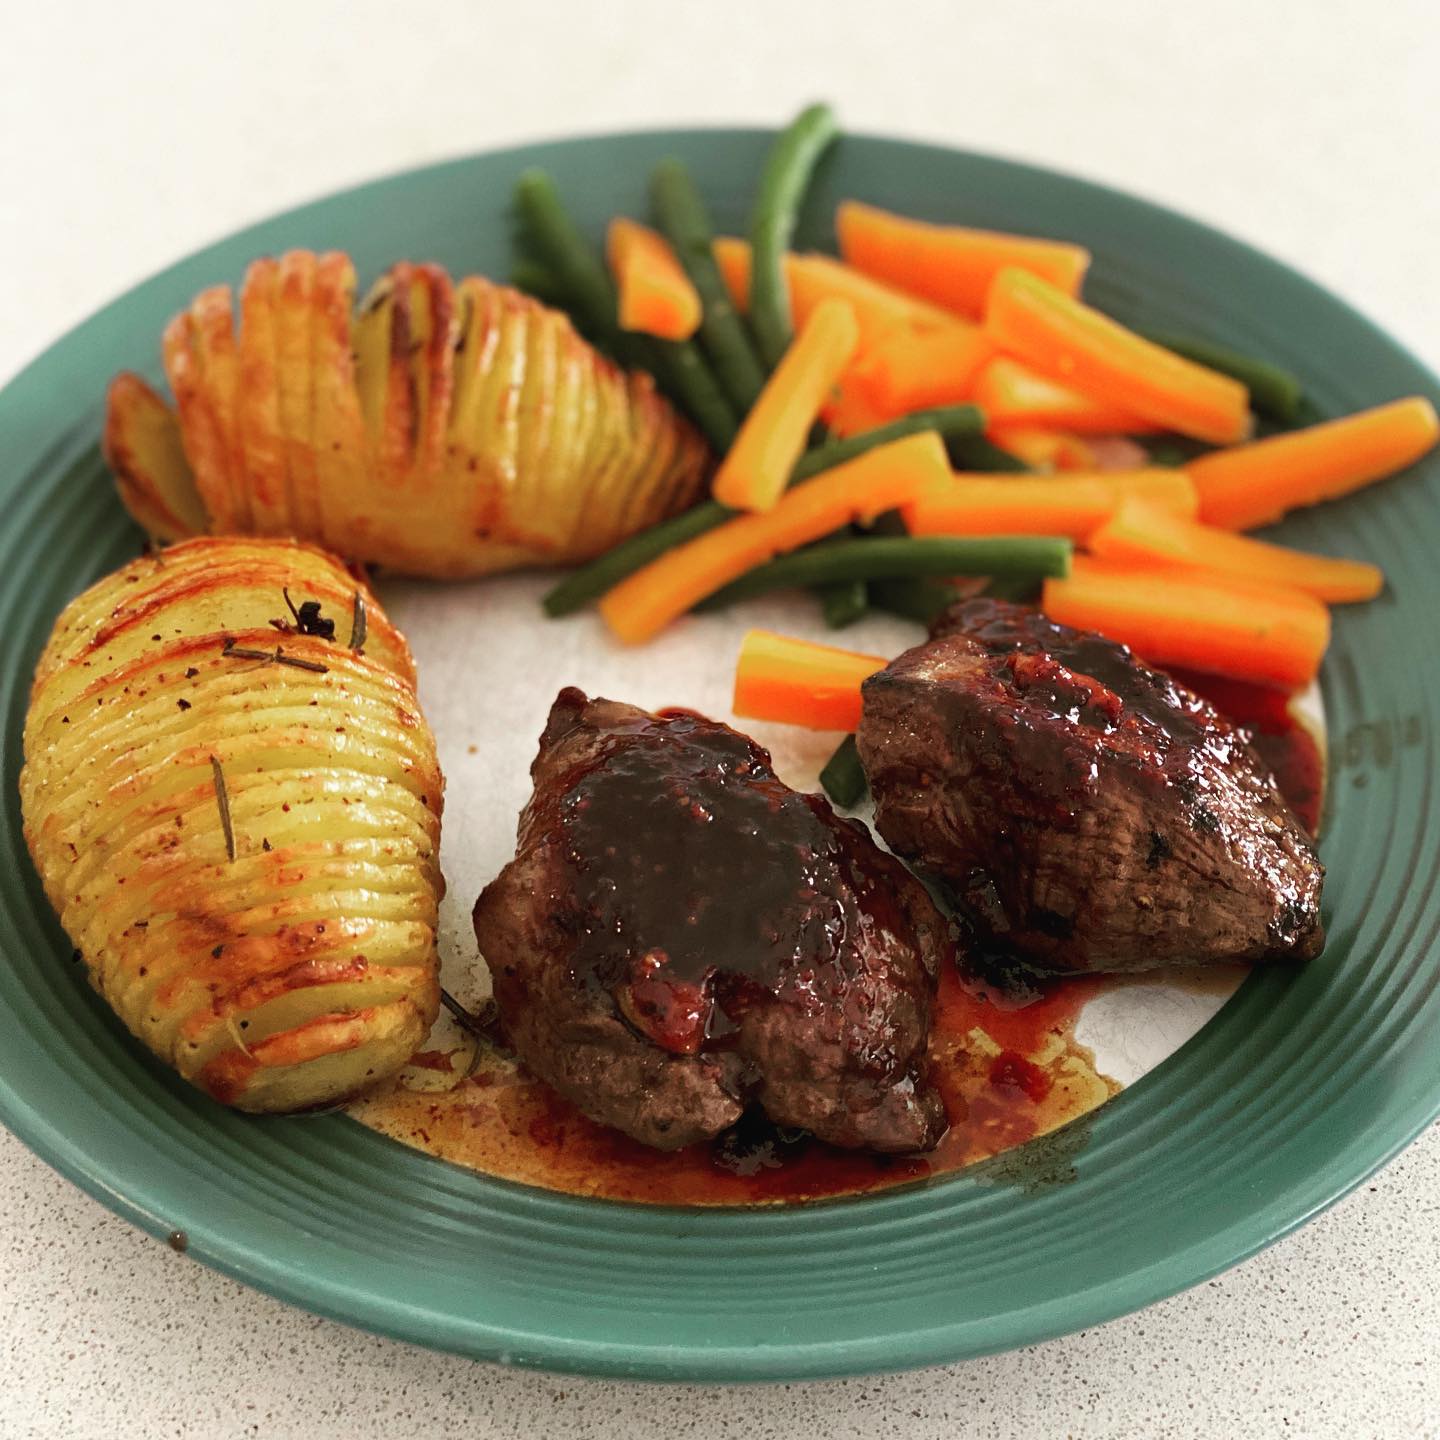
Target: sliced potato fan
<point x="295" y="380"/>
<point x="238" y="826"/>
<point x="142" y="446"/>
<point x="441" y="431"/>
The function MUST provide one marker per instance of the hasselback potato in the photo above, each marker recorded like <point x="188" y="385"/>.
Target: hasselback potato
<point x="234" y="806"/>
<point x="445" y="430"/>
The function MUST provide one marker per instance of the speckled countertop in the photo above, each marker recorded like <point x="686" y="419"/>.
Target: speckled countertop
<point x="131" y="134"/>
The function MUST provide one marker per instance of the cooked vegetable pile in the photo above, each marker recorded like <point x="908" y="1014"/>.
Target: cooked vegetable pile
<point x="445" y="430"/>
<point x="838" y="472"/>
<point x="233" y="801"/>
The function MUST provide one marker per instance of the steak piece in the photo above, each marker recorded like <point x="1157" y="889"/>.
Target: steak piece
<point x="680" y="935"/>
<point x="1085" y="812"/>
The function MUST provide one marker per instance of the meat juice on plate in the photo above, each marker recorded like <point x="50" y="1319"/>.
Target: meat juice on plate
<point x="1006" y="1075"/>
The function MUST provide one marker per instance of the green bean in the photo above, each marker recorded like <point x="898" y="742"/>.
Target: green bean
<point x="918" y="598"/>
<point x="679" y="368"/>
<point x="921" y="598"/>
<point x="593" y="580"/>
<point x="569" y="258"/>
<point x="1018" y="588"/>
<point x="1166" y="454"/>
<point x="951" y="421"/>
<point x="683" y="374"/>
<point x="843" y="777"/>
<point x="845" y="612"/>
<point x="843" y="602"/>
<point x="975" y="452"/>
<point x="788" y="168"/>
<point x="538" y="279"/>
<point x="682" y="216"/>
<point x="873" y="559"/>
<point x="1274" y="391"/>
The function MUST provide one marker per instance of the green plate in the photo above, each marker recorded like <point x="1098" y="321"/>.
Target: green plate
<point x="1303" y="1085"/>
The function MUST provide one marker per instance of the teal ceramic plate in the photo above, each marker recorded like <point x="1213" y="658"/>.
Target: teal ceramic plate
<point x="1303" y="1085"/>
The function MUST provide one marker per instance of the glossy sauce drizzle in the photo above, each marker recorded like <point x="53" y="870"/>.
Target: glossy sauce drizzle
<point x="708" y="885"/>
<point x="1294" y="752"/>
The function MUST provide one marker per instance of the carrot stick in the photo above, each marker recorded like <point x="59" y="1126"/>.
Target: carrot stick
<point x="1070" y="505"/>
<point x="882" y="312"/>
<point x="1205" y="621"/>
<point x="1139" y="533"/>
<point x="812" y="278"/>
<point x="656" y="295"/>
<point x="1258" y="483"/>
<point x="756" y="470"/>
<point x="911" y="369"/>
<point x="1079" y="346"/>
<point x="800" y="683"/>
<point x="850" y="410"/>
<point x="642" y="604"/>
<point x="1012" y="393"/>
<point x="1044" y="449"/>
<point x="949" y="264"/>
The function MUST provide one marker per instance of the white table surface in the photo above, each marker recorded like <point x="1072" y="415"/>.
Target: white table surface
<point x="131" y="133"/>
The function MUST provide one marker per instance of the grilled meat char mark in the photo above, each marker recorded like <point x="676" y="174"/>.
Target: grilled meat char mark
<point x="1086" y="812"/>
<point x="681" y="935"/>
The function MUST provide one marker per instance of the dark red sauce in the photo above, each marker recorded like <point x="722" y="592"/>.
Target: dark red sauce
<point x="1111" y="710"/>
<point x="708" y="883"/>
<point x="1012" y="1068"/>
<point x="1076" y="660"/>
<point x="1062" y="678"/>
